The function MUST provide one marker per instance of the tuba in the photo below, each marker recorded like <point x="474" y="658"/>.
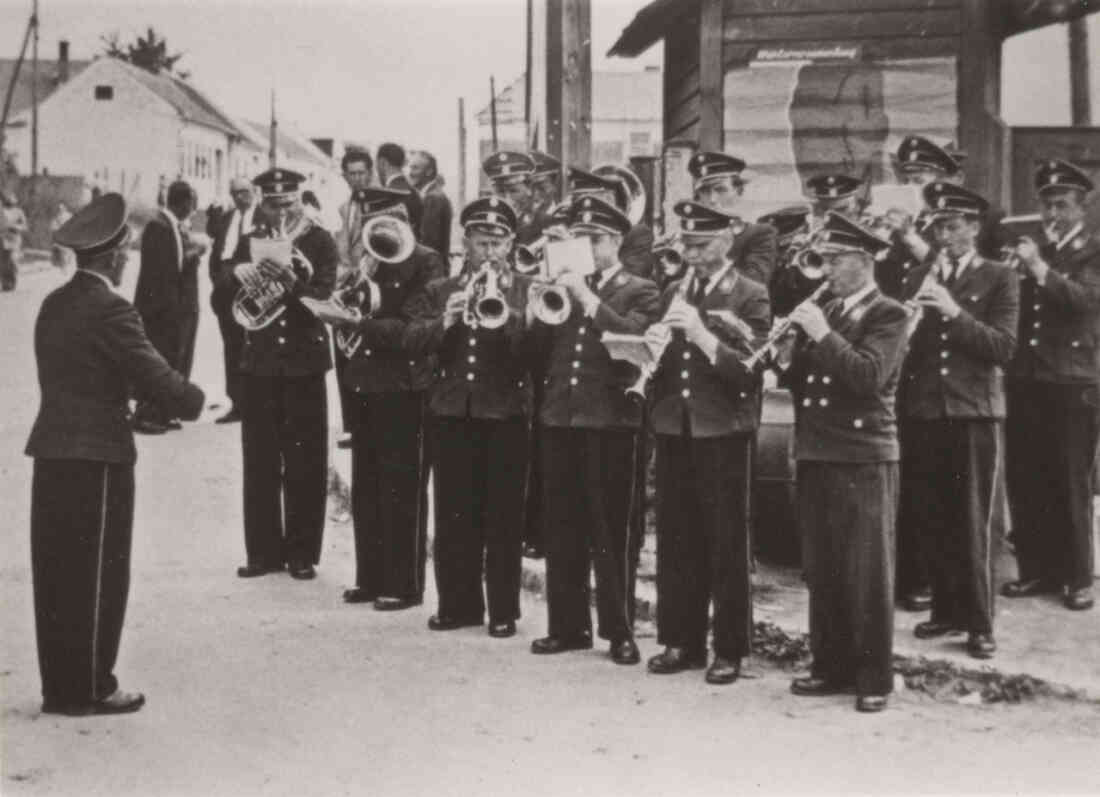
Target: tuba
<point x="635" y="191"/>
<point x="260" y="301"/>
<point x="388" y="239"/>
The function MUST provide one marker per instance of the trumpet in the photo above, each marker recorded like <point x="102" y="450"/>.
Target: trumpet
<point x="781" y="328"/>
<point x="259" y="300"/>
<point x="388" y="239"/>
<point x="552" y="303"/>
<point x="485" y="304"/>
<point x="646" y="372"/>
<point x="529" y="256"/>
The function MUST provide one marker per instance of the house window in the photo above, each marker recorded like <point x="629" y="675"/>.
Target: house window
<point x="640" y="143"/>
<point x="104" y="92"/>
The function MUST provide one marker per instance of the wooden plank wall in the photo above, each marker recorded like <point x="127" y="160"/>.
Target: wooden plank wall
<point x="682" y="79"/>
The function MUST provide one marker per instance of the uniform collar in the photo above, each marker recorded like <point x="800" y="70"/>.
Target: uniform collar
<point x="606" y="276"/>
<point x="1073" y="233"/>
<point x="715" y="278"/>
<point x="961" y="264"/>
<point x="851" y="301"/>
<point x="106" y="280"/>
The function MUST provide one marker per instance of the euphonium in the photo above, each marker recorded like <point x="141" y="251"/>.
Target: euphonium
<point x="352" y="298"/>
<point x="259" y="300"/>
<point x="646" y="372"/>
<point x="485" y="304"/>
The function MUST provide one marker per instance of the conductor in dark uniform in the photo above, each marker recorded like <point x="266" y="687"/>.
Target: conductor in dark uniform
<point x="704" y="412"/>
<point x="590" y="432"/>
<point x="843" y="375"/>
<point x="480" y="408"/>
<point x="718" y="183"/>
<point x="1053" y="395"/>
<point x="389" y="465"/>
<point x="951" y="403"/>
<point x="91" y="348"/>
<point x="284" y="417"/>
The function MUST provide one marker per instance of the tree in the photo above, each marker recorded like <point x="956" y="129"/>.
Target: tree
<point x="150" y="52"/>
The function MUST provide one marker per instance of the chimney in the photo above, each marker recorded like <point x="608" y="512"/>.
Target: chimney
<point x="63" y="61"/>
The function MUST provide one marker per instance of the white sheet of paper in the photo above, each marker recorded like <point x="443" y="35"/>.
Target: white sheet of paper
<point x="572" y="254"/>
<point x="277" y="249"/>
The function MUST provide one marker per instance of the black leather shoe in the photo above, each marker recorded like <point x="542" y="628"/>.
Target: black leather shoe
<point x="814" y="686"/>
<point x="302" y="571"/>
<point x="233" y="416"/>
<point x="1079" y="600"/>
<point x="117" y="703"/>
<point x="871" y="704"/>
<point x="981" y="646"/>
<point x="502" y="630"/>
<point x="672" y="660"/>
<point x="723" y="671"/>
<point x="930" y="629"/>
<point x="1026" y="588"/>
<point x="149" y="427"/>
<point x="387" y="603"/>
<point x="551" y="644"/>
<point x="917" y="601"/>
<point x="439" y="623"/>
<point x="344" y="442"/>
<point x="625" y="652"/>
<point x="252" y="571"/>
<point x="359" y="595"/>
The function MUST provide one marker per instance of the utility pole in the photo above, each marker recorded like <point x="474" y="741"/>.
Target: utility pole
<point x="1079" y="79"/>
<point x="569" y="81"/>
<point x="272" y="137"/>
<point x="34" y="96"/>
<point x="461" y="152"/>
<point x="493" y="110"/>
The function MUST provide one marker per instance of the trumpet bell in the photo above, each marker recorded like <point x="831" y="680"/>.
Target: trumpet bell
<point x="492" y="312"/>
<point x="529" y="256"/>
<point x="810" y="263"/>
<point x="553" y="305"/>
<point x="388" y="239"/>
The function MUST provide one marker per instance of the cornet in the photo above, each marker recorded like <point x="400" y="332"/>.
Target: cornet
<point x="485" y="304"/>
<point x="553" y="305"/>
<point x="260" y="300"/>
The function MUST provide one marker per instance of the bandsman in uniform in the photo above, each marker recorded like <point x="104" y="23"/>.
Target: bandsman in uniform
<point x="510" y="175"/>
<point x="704" y="411"/>
<point x="284" y="417"/>
<point x="1053" y="395"/>
<point x="589" y="433"/>
<point x="480" y="412"/>
<point x="789" y="285"/>
<point x="843" y="374"/>
<point x="951" y="403"/>
<point x="389" y="465"/>
<point x="545" y="186"/>
<point x="91" y="347"/>
<point x="718" y="183"/>
<point x="636" y="253"/>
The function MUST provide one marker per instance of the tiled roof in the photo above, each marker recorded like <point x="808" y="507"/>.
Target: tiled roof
<point x="48" y="81"/>
<point x="192" y="104"/>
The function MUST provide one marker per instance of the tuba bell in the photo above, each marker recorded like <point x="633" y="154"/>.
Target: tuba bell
<point x="259" y="300"/>
<point x="388" y="239"/>
<point x="635" y="191"/>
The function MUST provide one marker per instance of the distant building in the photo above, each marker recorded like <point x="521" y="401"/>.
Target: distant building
<point x="626" y="118"/>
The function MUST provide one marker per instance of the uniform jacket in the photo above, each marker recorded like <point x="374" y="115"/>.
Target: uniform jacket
<point x="1059" y="337"/>
<point x="385" y="361"/>
<point x="719" y="399"/>
<point x="754" y="252"/>
<point x="414" y="205"/>
<point x="582" y="386"/>
<point x="221" y="270"/>
<point x="91" y="346"/>
<point x="435" y="226"/>
<point x="954" y="368"/>
<point x="636" y="252"/>
<point x="482" y="373"/>
<point x="296" y="343"/>
<point x="844" y="386"/>
<point x="167" y="285"/>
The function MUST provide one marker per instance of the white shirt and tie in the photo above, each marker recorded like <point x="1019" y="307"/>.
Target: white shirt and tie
<point x="240" y="223"/>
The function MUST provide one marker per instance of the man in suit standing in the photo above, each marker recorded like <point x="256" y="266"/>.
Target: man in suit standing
<point x="91" y="349"/>
<point x="1053" y="395"/>
<point x="843" y="374"/>
<point x="590" y="443"/>
<point x="167" y="295"/>
<point x="435" y="226"/>
<point x="231" y="228"/>
<point x="704" y="414"/>
<point x="951" y="403"/>
<point x="719" y="184"/>
<point x="391" y="175"/>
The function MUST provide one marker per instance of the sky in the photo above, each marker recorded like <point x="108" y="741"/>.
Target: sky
<point x="377" y="70"/>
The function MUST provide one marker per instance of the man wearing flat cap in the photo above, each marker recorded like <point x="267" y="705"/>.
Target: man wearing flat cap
<point x="704" y="413"/>
<point x="284" y="416"/>
<point x="1053" y="395"/>
<point x="951" y="404"/>
<point x="589" y="429"/>
<point x="842" y="367"/>
<point x="388" y="381"/>
<point x="91" y="349"/>
<point x="479" y="410"/>
<point x="719" y="184"/>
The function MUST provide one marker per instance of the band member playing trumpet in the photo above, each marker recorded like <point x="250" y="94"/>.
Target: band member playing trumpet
<point x="951" y="402"/>
<point x="389" y="471"/>
<point x="1053" y="395"/>
<point x="704" y="411"/>
<point x="589" y="434"/>
<point x="479" y="405"/>
<point x="719" y="184"/>
<point x="284" y="418"/>
<point x="842" y="367"/>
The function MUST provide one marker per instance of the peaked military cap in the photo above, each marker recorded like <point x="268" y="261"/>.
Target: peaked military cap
<point x="581" y="181"/>
<point x="917" y="152"/>
<point x="786" y="221"/>
<point x="278" y="182"/>
<point x="507" y="167"/>
<point x="379" y="200"/>
<point x="488" y="214"/>
<point x="697" y="219"/>
<point x="840" y="234"/>
<point x="1059" y="175"/>
<point x="590" y="214"/>
<point x="705" y="166"/>
<point x="832" y="186"/>
<point x="947" y="199"/>
<point x="98" y="227"/>
<point x="544" y="164"/>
